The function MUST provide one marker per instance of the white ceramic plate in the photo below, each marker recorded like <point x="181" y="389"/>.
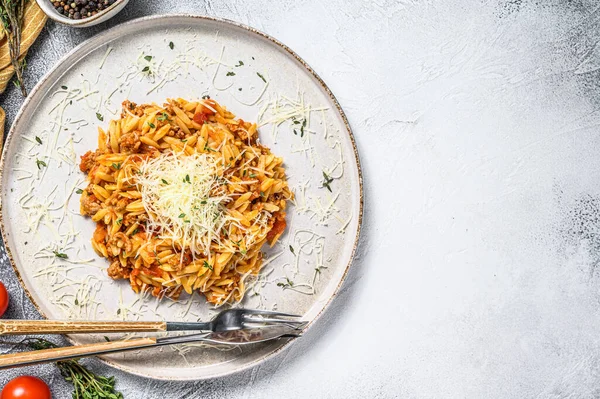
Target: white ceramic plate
<point x="40" y="206"/>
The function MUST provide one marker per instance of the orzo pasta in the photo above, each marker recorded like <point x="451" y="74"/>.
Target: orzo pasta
<point x="184" y="197"/>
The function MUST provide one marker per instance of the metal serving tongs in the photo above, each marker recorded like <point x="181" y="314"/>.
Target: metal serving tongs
<point x="233" y="337"/>
<point x="227" y="320"/>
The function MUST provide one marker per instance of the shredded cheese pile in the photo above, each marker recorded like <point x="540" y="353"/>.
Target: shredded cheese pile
<point x="179" y="194"/>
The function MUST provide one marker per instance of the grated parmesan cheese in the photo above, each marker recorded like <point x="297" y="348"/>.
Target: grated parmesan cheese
<point x="178" y="194"/>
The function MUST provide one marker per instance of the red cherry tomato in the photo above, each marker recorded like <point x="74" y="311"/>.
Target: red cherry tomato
<point x="26" y="387"/>
<point x="3" y="299"/>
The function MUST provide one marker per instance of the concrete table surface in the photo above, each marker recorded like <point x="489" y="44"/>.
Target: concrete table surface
<point x="477" y="124"/>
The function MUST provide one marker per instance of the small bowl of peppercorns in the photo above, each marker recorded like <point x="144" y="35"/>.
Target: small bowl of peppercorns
<point x="81" y="13"/>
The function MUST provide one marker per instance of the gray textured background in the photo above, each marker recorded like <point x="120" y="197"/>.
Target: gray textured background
<point x="477" y="126"/>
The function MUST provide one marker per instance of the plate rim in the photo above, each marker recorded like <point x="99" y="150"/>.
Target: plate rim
<point x="252" y="31"/>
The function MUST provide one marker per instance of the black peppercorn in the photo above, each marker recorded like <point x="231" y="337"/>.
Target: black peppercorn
<point x="79" y="9"/>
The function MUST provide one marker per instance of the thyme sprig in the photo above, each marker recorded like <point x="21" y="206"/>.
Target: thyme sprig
<point x="87" y="384"/>
<point x="11" y="17"/>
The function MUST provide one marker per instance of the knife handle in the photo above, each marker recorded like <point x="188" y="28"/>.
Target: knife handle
<point x="26" y="327"/>
<point x="72" y="352"/>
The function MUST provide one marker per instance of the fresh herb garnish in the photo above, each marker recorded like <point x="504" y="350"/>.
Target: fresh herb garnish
<point x="152" y="125"/>
<point x="252" y="175"/>
<point x="171" y="45"/>
<point x="119" y="311"/>
<point x="164" y="181"/>
<point x="162" y="117"/>
<point x="40" y="163"/>
<point x="119" y="221"/>
<point x="187" y="179"/>
<point x="87" y="384"/>
<point x="327" y="181"/>
<point x="60" y="255"/>
<point x="288" y="283"/>
<point x="117" y="166"/>
<point x="240" y="63"/>
<point x="208" y="266"/>
<point x="12" y="17"/>
<point x="106" y="339"/>
<point x="99" y="116"/>
<point x="76" y="301"/>
<point x="146" y="69"/>
<point x="134" y="232"/>
<point x="79" y="191"/>
<point x="148" y="58"/>
<point x="39" y="140"/>
<point x="262" y="77"/>
<point x="181" y="215"/>
<point x="292" y="250"/>
<point x="64" y="87"/>
<point x="230" y="73"/>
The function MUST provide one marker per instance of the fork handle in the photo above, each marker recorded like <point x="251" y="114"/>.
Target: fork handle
<point x="71" y="352"/>
<point x="25" y="327"/>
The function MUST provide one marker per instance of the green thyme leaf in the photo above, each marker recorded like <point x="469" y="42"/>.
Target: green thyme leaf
<point x="60" y="255"/>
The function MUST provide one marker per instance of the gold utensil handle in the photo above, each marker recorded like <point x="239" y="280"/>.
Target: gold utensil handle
<point x="24" y="327"/>
<point x="71" y="352"/>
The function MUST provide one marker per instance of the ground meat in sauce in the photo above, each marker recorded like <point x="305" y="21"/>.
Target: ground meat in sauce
<point x="130" y="142"/>
<point x="116" y="271"/>
<point x="131" y="218"/>
<point x="278" y="226"/>
<point x="180" y="263"/>
<point x="89" y="205"/>
<point x="88" y="161"/>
